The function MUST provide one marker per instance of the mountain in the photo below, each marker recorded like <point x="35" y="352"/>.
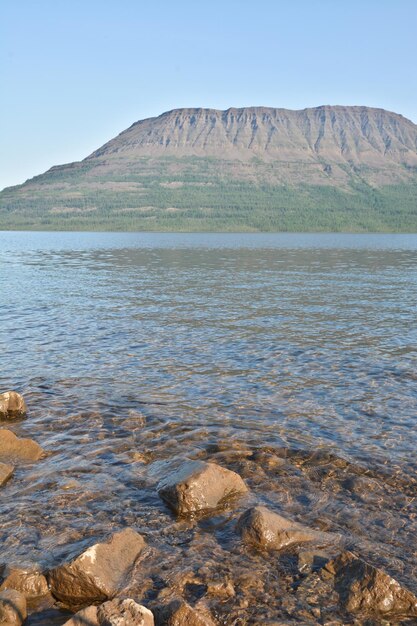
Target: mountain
<point x="257" y="168"/>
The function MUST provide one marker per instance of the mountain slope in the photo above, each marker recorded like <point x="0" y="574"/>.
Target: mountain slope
<point x="257" y="168"/>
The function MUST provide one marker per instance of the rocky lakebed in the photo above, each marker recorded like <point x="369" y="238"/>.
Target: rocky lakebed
<point x="229" y="532"/>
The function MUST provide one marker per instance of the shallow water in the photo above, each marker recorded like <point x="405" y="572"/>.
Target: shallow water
<point x="135" y="348"/>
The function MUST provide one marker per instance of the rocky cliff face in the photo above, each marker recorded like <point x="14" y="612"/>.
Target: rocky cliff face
<point x="356" y="135"/>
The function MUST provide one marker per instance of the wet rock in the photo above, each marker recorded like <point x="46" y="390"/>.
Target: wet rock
<point x="363" y="588"/>
<point x="12" y="608"/>
<point x="179" y="613"/>
<point x="85" y="617"/>
<point x="28" y="580"/>
<point x="315" y="595"/>
<point x="266" y="529"/>
<point x="116" y="612"/>
<point x="221" y="588"/>
<point x="267" y="460"/>
<point x="124" y="613"/>
<point x="6" y="472"/>
<point x="13" y="448"/>
<point x="12" y="405"/>
<point x="364" y="488"/>
<point x="249" y="584"/>
<point x="141" y="457"/>
<point x="199" y="486"/>
<point x="71" y="485"/>
<point x="312" y="560"/>
<point x="98" y="573"/>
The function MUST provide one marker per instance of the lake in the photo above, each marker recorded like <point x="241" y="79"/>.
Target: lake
<point x="134" y="348"/>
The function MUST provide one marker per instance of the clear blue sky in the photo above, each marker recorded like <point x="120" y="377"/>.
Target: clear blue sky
<point x="74" y="73"/>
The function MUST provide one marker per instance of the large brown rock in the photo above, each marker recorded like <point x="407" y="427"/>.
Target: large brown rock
<point x="365" y="589"/>
<point x="268" y="530"/>
<point x="14" y="449"/>
<point x="115" y="612"/>
<point x="12" y="608"/>
<point x="98" y="573"/>
<point x="27" y="579"/>
<point x="6" y="472"/>
<point x="199" y="486"/>
<point x="179" y="613"/>
<point x="12" y="405"/>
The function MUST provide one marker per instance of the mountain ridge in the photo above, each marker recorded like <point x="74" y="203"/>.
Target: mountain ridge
<point x="275" y="133"/>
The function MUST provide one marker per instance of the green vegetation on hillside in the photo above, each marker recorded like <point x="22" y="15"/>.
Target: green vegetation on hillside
<point x="195" y="194"/>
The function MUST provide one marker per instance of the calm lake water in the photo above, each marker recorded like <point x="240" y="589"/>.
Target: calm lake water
<point x="132" y="348"/>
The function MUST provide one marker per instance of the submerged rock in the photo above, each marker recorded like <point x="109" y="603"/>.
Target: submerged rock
<point x="6" y="472"/>
<point x="98" y="573"/>
<point x="28" y="580"/>
<point x="199" y="486"/>
<point x="363" y="588"/>
<point x="12" y="405"/>
<point x="12" y="608"/>
<point x="312" y="560"/>
<point x="316" y="596"/>
<point x="365" y="488"/>
<point x="266" y="529"/>
<point x="179" y="613"/>
<point x="14" y="448"/>
<point x="221" y="588"/>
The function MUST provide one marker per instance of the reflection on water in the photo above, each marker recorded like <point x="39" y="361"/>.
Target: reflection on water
<point x="166" y="345"/>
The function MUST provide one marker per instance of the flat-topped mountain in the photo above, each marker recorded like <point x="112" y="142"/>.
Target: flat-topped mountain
<point x="255" y="168"/>
<point x="359" y="135"/>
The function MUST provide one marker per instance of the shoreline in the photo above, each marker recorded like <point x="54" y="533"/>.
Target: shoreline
<point x="217" y="508"/>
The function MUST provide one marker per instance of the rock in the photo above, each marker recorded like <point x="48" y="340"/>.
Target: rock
<point x="12" y="608"/>
<point x="85" y="617"/>
<point x="98" y="573"/>
<point x="141" y="457"/>
<point x="363" y="588"/>
<point x="365" y="488"/>
<point x="12" y="405"/>
<point x="13" y="448"/>
<point x="28" y="580"/>
<point x="116" y="612"/>
<point x="266" y="529"/>
<point x="312" y="560"/>
<point x="268" y="461"/>
<point x="179" y="613"/>
<point x="124" y="613"/>
<point x="199" y="486"/>
<point x="314" y="592"/>
<point x="6" y="472"/>
<point x="221" y="588"/>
